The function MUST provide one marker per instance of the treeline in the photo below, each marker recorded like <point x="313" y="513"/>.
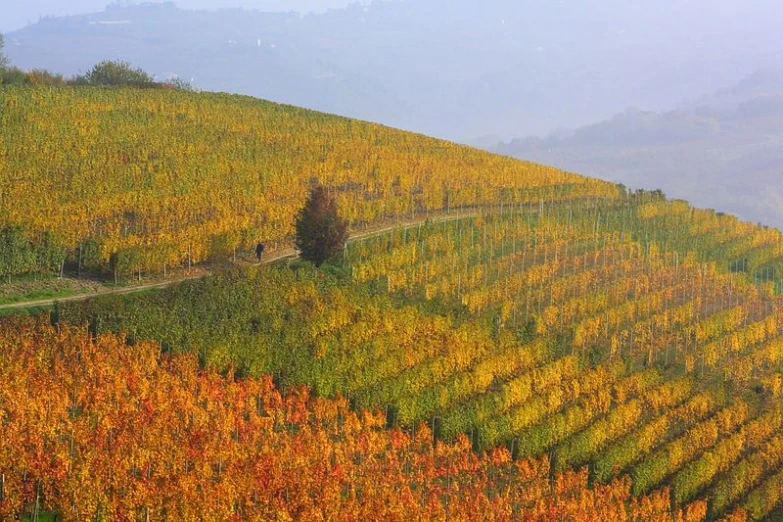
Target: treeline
<point x="103" y="74"/>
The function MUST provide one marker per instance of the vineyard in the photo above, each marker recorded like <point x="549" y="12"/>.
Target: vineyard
<point x="638" y="338"/>
<point x="555" y="348"/>
<point x="140" y="181"/>
<point x="114" y="432"/>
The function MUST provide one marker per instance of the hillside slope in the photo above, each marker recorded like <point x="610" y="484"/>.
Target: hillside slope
<point x="565" y="324"/>
<point x="198" y="446"/>
<point x="639" y="337"/>
<point x="152" y="179"/>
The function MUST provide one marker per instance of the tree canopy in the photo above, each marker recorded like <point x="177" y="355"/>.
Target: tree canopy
<point x="116" y="73"/>
<point x="320" y="231"/>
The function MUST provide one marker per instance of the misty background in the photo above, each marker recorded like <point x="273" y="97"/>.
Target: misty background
<point x="18" y="13"/>
<point x="682" y="95"/>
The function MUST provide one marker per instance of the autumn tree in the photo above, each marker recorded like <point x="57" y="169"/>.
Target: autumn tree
<point x="320" y="231"/>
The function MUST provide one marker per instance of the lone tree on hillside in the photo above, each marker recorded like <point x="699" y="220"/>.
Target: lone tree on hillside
<point x="320" y="232"/>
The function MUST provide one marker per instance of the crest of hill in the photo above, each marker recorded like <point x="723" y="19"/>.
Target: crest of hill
<point x="156" y="179"/>
<point x="396" y="62"/>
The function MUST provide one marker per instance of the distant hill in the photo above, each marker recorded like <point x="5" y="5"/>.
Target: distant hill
<point x="727" y="154"/>
<point x="765" y="82"/>
<point x="25" y="12"/>
<point x="456" y="69"/>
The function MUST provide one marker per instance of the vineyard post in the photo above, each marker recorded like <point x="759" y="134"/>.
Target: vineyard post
<point x="34" y="513"/>
<point x="390" y="417"/>
<point x="448" y="488"/>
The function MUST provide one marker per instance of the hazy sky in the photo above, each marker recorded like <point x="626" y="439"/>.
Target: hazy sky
<point x="18" y="13"/>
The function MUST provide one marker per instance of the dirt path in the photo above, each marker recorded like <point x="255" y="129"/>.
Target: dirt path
<point x="276" y="256"/>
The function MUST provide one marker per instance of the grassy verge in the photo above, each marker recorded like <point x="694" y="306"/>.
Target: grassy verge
<point x="35" y="295"/>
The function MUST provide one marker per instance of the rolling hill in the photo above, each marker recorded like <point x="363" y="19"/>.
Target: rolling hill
<point x="457" y="69"/>
<point x="147" y="180"/>
<point x="558" y="348"/>
<point x="721" y="151"/>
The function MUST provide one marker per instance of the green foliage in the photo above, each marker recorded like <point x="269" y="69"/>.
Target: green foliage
<point x="527" y="332"/>
<point x="35" y="78"/>
<point x="125" y="262"/>
<point x="87" y="256"/>
<point x="320" y="231"/>
<point x="12" y="76"/>
<point x="116" y="74"/>
<point x="178" y="84"/>
<point x="222" y="245"/>
<point x="50" y="253"/>
<point x="107" y="73"/>
<point x="17" y="255"/>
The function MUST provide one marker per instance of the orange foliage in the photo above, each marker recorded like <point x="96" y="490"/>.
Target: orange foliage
<point x="98" y="427"/>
